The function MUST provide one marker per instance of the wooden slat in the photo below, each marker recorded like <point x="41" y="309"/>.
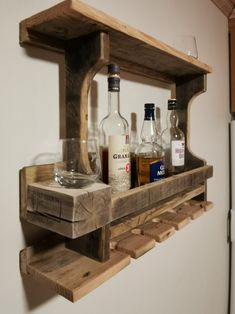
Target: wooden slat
<point x="177" y="220"/>
<point x="133" y="244"/>
<point x="147" y="195"/>
<point x="69" y="273"/>
<point x="157" y="230"/>
<point x="225" y="6"/>
<point x="192" y="211"/>
<point x="133" y="221"/>
<point x="73" y="19"/>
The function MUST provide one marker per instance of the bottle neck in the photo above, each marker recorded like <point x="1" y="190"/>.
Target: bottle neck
<point x="172" y="118"/>
<point x="148" y="132"/>
<point x="113" y="101"/>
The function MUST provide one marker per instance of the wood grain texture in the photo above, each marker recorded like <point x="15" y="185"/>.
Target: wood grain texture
<point x="147" y="195"/>
<point x="134" y="220"/>
<point x="92" y="202"/>
<point x="225" y="6"/>
<point x="177" y="220"/>
<point x="69" y="273"/>
<point x="29" y="175"/>
<point x="73" y="19"/>
<point x="157" y="230"/>
<point x="192" y="211"/>
<point x="133" y="244"/>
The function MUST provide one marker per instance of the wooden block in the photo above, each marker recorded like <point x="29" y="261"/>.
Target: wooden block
<point x="192" y="211"/>
<point x="70" y="204"/>
<point x="157" y="230"/>
<point x="133" y="244"/>
<point x="206" y="205"/>
<point x="178" y="221"/>
<point x="69" y="273"/>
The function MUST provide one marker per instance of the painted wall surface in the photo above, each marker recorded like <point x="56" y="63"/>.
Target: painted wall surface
<point x="189" y="272"/>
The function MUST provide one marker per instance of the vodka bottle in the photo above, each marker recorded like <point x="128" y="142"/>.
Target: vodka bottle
<point x="173" y="141"/>
<point x="114" y="138"/>
<point x="149" y="154"/>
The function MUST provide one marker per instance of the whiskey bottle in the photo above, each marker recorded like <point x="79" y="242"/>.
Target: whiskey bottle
<point x="173" y="141"/>
<point x="134" y="142"/>
<point x="114" y="138"/>
<point x="149" y="154"/>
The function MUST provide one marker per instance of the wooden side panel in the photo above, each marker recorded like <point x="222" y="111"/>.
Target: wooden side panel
<point x="186" y="89"/>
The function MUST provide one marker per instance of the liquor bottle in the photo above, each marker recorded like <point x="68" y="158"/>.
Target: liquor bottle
<point x="149" y="154"/>
<point x="114" y="138"/>
<point x="173" y="141"/>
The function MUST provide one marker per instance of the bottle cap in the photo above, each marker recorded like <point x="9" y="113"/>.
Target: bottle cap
<point x="172" y="104"/>
<point x="149" y="106"/>
<point x="113" y="69"/>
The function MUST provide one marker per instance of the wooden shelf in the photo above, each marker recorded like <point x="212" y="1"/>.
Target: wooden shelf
<point x="93" y="220"/>
<point x="133" y="50"/>
<point x="75" y="212"/>
<point x="73" y="275"/>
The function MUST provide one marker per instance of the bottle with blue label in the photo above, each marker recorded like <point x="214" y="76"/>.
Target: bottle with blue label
<point x="150" y="159"/>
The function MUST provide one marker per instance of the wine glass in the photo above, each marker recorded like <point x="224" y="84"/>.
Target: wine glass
<point x="77" y="162"/>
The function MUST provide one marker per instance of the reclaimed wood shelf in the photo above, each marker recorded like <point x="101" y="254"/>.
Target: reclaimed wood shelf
<point x="101" y="231"/>
<point x="75" y="212"/>
<point x="73" y="275"/>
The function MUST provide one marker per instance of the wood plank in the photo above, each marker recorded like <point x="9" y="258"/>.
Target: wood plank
<point x="157" y="230"/>
<point x="147" y="195"/>
<point x="92" y="202"/>
<point x="70" y="274"/>
<point x="134" y="220"/>
<point x="192" y="211"/>
<point x="225" y="6"/>
<point x="29" y="175"/>
<point x="178" y="221"/>
<point x="73" y="19"/>
<point x="133" y="244"/>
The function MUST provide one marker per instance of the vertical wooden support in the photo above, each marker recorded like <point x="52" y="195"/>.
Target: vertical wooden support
<point x="186" y="89"/>
<point x="84" y="57"/>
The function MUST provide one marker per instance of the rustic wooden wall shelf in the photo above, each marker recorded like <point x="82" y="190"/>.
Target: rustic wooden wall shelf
<point x="96" y="243"/>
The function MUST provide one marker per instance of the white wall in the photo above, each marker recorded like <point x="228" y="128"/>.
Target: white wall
<point x="189" y="272"/>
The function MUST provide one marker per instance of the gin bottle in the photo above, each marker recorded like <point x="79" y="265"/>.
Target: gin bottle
<point x="149" y="154"/>
<point x="114" y="138"/>
<point x="173" y="141"/>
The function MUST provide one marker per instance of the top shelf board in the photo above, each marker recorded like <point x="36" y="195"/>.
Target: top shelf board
<point x="132" y="49"/>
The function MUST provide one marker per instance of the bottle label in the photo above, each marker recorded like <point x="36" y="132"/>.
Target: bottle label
<point x="119" y="163"/>
<point x="156" y="170"/>
<point x="177" y="153"/>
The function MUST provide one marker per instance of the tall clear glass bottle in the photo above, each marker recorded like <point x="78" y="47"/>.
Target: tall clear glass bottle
<point x="149" y="154"/>
<point x="114" y="138"/>
<point x="173" y="141"/>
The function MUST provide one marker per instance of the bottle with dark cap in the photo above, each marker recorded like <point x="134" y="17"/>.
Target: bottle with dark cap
<point x="173" y="141"/>
<point x="149" y="154"/>
<point x="114" y="138"/>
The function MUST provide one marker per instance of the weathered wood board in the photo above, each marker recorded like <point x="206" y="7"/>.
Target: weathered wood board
<point x="67" y="272"/>
<point x="177" y="220"/>
<point x="147" y="195"/>
<point x="133" y="244"/>
<point x="129" y="47"/>
<point x="157" y="230"/>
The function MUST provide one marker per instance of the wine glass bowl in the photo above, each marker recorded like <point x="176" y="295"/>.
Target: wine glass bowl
<point x="77" y="162"/>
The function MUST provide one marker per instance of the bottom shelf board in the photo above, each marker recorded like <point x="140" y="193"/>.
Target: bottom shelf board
<point x="70" y="274"/>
